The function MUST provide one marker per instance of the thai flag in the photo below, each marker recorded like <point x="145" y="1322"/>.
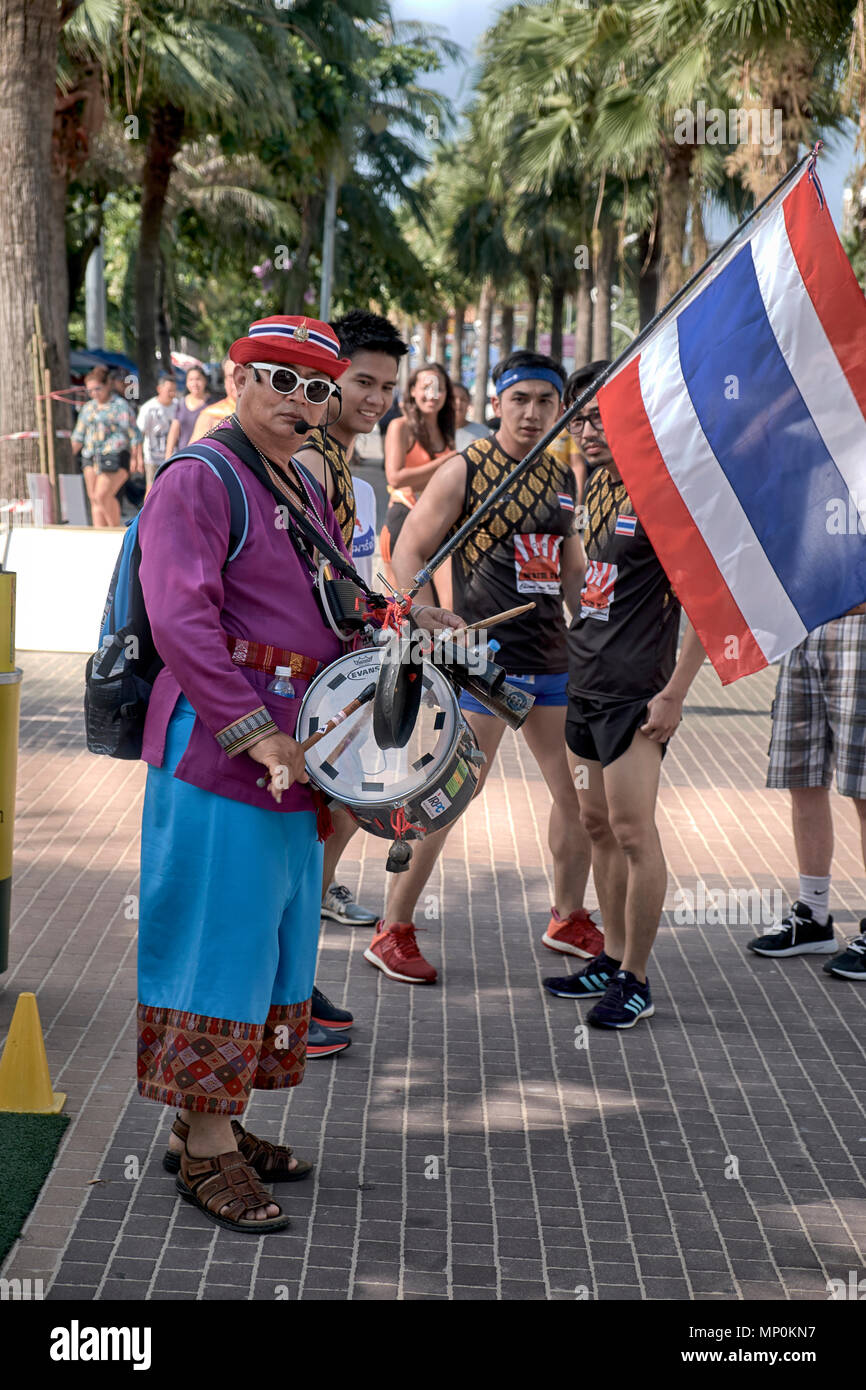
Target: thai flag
<point x="739" y="429"/>
<point x="565" y="501"/>
<point x="625" y="526"/>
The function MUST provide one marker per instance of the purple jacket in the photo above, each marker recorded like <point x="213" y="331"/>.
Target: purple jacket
<point x="265" y="595"/>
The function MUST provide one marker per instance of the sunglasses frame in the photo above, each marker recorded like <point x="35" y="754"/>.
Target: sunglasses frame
<point x="305" y="381"/>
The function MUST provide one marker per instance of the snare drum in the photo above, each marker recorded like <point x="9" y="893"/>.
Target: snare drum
<point x="432" y="779"/>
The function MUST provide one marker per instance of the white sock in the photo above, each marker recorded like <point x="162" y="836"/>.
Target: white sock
<point x="815" y="893"/>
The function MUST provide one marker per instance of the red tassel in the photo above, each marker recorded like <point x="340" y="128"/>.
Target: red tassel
<point x="324" y="824"/>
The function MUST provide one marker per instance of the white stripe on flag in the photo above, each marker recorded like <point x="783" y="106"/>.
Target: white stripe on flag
<point x="809" y="357"/>
<point x="714" y="506"/>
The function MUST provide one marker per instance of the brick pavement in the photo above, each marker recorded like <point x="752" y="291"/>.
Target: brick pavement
<point x="467" y="1146"/>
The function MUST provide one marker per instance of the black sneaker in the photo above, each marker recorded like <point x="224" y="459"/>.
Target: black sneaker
<point x="851" y="964"/>
<point x="321" y="1042"/>
<point x="625" y="1000"/>
<point x="798" y="934"/>
<point x="592" y="980"/>
<point x="327" y="1015"/>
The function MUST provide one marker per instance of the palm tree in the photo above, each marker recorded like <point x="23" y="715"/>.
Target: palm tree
<point x="30" y="30"/>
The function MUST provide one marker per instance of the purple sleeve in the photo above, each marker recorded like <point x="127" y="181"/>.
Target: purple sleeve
<point x="184" y="537"/>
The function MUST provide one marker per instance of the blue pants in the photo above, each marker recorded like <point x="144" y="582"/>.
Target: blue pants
<point x="228" y="934"/>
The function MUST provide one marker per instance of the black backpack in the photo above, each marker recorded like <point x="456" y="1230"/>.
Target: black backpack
<point x="119" y="676"/>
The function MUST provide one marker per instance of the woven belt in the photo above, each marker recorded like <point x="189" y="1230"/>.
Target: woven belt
<point x="264" y="658"/>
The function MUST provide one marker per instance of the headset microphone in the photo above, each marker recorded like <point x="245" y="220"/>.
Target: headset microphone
<point x="301" y="426"/>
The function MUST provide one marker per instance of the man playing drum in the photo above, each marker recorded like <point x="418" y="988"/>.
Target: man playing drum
<point x="528" y="547"/>
<point x="231" y="871"/>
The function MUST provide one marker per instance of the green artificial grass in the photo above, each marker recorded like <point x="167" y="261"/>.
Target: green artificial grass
<point x="28" y="1144"/>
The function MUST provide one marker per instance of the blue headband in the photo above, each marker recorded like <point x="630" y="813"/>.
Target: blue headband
<point x="528" y="374"/>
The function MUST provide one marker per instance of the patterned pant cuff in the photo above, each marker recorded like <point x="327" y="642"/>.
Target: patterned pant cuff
<point x="283" y="1053"/>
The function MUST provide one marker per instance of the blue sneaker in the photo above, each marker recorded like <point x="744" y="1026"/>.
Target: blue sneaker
<point x="592" y="980"/>
<point x="625" y="1001"/>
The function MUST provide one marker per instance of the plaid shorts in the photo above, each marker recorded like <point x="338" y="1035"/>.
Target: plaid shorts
<point x="819" y="713"/>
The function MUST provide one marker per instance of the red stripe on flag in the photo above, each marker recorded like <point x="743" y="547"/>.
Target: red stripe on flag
<point x="679" y="545"/>
<point x="830" y="282"/>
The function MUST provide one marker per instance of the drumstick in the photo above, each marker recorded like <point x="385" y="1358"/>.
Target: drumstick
<point x="486" y="622"/>
<point x="363" y="699"/>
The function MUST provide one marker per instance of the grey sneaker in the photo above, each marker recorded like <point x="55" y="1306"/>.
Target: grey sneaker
<point x="340" y="906"/>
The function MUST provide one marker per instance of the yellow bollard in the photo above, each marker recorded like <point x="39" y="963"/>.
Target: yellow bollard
<point x="10" y="701"/>
<point x="25" y="1081"/>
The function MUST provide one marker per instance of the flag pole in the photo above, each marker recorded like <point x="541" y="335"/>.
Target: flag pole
<point x="424" y="575"/>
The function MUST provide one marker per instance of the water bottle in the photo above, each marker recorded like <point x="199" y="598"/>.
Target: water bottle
<point x="492" y="648"/>
<point x="282" y="683"/>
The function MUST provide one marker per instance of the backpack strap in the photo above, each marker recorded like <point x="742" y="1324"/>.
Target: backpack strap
<point x="239" y="511"/>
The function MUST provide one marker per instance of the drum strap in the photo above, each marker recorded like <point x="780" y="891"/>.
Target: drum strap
<point x="262" y="657"/>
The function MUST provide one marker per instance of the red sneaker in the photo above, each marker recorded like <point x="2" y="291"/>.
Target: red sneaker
<point x="395" y="951"/>
<point x="574" y="935"/>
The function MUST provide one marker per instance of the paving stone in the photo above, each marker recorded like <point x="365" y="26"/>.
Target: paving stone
<point x="623" y="1145"/>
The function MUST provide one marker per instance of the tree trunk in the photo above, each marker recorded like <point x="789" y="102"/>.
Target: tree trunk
<point x="163" y="143"/>
<point x="507" y="330"/>
<point x="457" y="350"/>
<point x="533" y="285"/>
<point x="557" y="306"/>
<point x="583" y="319"/>
<point x="404" y="371"/>
<point x="296" y="282"/>
<point x="57" y="330"/>
<point x="440" y="341"/>
<point x="163" y="319"/>
<point x="482" y="364"/>
<point x="28" y="41"/>
<point x="426" y="341"/>
<point x="698" y="249"/>
<point x="649" y="256"/>
<point x="603" y="279"/>
<point x="673" y="215"/>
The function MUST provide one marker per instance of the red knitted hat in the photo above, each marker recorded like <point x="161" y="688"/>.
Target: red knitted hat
<point x="285" y="339"/>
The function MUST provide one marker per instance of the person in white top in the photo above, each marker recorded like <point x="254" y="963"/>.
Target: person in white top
<point x="364" y="539"/>
<point x="154" y="420"/>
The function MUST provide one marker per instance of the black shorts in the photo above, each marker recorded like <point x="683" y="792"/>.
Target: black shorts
<point x="110" y="463"/>
<point x="600" y="729"/>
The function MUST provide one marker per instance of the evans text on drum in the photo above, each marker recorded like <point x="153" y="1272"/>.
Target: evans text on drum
<point x="432" y="778"/>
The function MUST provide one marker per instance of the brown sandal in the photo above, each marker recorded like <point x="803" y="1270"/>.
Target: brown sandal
<point x="271" y="1161"/>
<point x="226" y="1180"/>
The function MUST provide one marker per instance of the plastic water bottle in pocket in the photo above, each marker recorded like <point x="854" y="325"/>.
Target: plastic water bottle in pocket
<point x="282" y="683"/>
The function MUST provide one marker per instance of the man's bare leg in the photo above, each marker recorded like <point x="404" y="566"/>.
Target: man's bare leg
<point x="406" y="888"/>
<point x="631" y="788"/>
<point x="544" y="731"/>
<point x="812" y="822"/>
<point x="335" y="845"/>
<point x="609" y="866"/>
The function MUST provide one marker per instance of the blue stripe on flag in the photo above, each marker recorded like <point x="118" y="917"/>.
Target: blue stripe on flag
<point x="725" y="332"/>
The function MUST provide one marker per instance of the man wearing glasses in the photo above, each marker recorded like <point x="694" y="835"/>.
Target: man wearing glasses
<point x="231" y="871"/>
<point x="625" y="698"/>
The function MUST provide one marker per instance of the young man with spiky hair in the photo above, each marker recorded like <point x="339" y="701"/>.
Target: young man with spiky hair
<point x="374" y="349"/>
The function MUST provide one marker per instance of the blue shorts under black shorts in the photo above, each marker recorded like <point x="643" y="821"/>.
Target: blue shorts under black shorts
<point x="548" y="690"/>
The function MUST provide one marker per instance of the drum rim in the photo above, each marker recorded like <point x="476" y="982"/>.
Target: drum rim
<point x="402" y="798"/>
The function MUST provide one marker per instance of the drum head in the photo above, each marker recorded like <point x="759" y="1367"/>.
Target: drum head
<point x="349" y="763"/>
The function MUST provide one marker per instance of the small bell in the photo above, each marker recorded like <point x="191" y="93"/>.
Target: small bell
<point x="399" y="856"/>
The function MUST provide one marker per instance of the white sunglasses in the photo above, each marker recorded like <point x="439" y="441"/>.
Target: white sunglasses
<point x="317" y="389"/>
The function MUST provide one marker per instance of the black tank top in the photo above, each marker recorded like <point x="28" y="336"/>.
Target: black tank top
<point x="513" y="556"/>
<point x="623" y="642"/>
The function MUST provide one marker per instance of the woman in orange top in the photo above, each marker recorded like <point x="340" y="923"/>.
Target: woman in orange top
<point x="415" y="446"/>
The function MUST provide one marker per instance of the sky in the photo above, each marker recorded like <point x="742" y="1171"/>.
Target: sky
<point x="465" y="21"/>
